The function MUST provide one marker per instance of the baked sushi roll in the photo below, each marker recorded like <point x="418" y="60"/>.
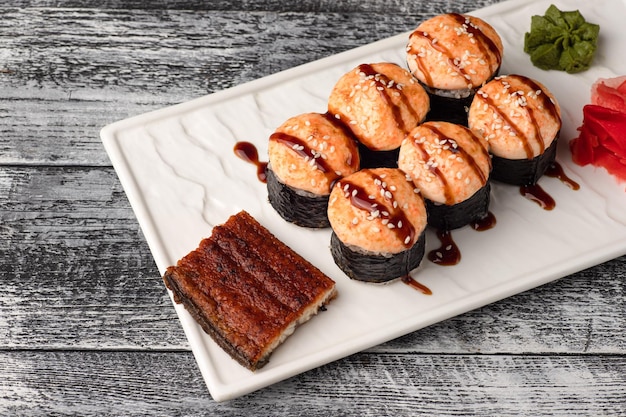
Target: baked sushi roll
<point x="307" y="154"/>
<point x="452" y="55"/>
<point x="380" y="103"/>
<point x="378" y="221"/>
<point x="450" y="165"/>
<point x="521" y="121"/>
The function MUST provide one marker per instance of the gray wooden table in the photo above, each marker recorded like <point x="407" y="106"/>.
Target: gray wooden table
<point x="86" y="326"/>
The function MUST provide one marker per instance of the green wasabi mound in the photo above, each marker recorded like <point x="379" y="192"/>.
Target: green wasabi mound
<point x="561" y="41"/>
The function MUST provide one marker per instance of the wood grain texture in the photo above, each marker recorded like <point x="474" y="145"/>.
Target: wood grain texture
<point x="389" y="7"/>
<point x="148" y="383"/>
<point x="78" y="274"/>
<point x="86" y="326"/>
<point x="66" y="73"/>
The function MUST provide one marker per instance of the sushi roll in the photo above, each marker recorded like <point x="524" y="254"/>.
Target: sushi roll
<point x="307" y="154"/>
<point x="380" y="103"/>
<point x="378" y="221"/>
<point x="452" y="55"/>
<point x="521" y="121"/>
<point x="450" y="165"/>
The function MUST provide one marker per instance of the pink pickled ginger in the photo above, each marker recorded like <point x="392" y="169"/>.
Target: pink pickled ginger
<point x="602" y="138"/>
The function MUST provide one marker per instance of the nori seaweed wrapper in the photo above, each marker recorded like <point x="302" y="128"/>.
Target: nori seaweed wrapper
<point x="448" y="217"/>
<point x="523" y="171"/>
<point x="376" y="268"/>
<point x="302" y="210"/>
<point x="449" y="109"/>
<point x="378" y="159"/>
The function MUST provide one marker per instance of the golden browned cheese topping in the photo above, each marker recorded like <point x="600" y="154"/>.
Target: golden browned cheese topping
<point x="377" y="210"/>
<point x="454" y="52"/>
<point x="519" y="117"/>
<point x="380" y="103"/>
<point x="311" y="151"/>
<point x="446" y="161"/>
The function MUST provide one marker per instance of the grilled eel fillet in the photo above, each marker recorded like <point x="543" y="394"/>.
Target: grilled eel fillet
<point x="247" y="289"/>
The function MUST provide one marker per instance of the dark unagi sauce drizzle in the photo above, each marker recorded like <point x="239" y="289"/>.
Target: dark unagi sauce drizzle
<point x="546" y="103"/>
<point x="464" y="154"/>
<point x="382" y="83"/>
<point x="482" y="41"/>
<point x="301" y="148"/>
<point x="513" y="128"/>
<point x="416" y="285"/>
<point x="248" y="152"/>
<point x="359" y="198"/>
<point x="440" y="48"/>
<point x="556" y="171"/>
<point x="538" y="195"/>
<point x="448" y="253"/>
<point x="479" y="35"/>
<point x="338" y="124"/>
<point x="485" y="223"/>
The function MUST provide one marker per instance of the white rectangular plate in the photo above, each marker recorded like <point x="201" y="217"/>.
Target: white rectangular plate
<point x="181" y="176"/>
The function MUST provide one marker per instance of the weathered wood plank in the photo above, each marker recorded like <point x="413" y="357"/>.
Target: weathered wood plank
<point x="342" y="6"/>
<point x="79" y="275"/>
<point x="152" y="383"/>
<point x="77" y="270"/>
<point x="86" y="327"/>
<point x="66" y="73"/>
